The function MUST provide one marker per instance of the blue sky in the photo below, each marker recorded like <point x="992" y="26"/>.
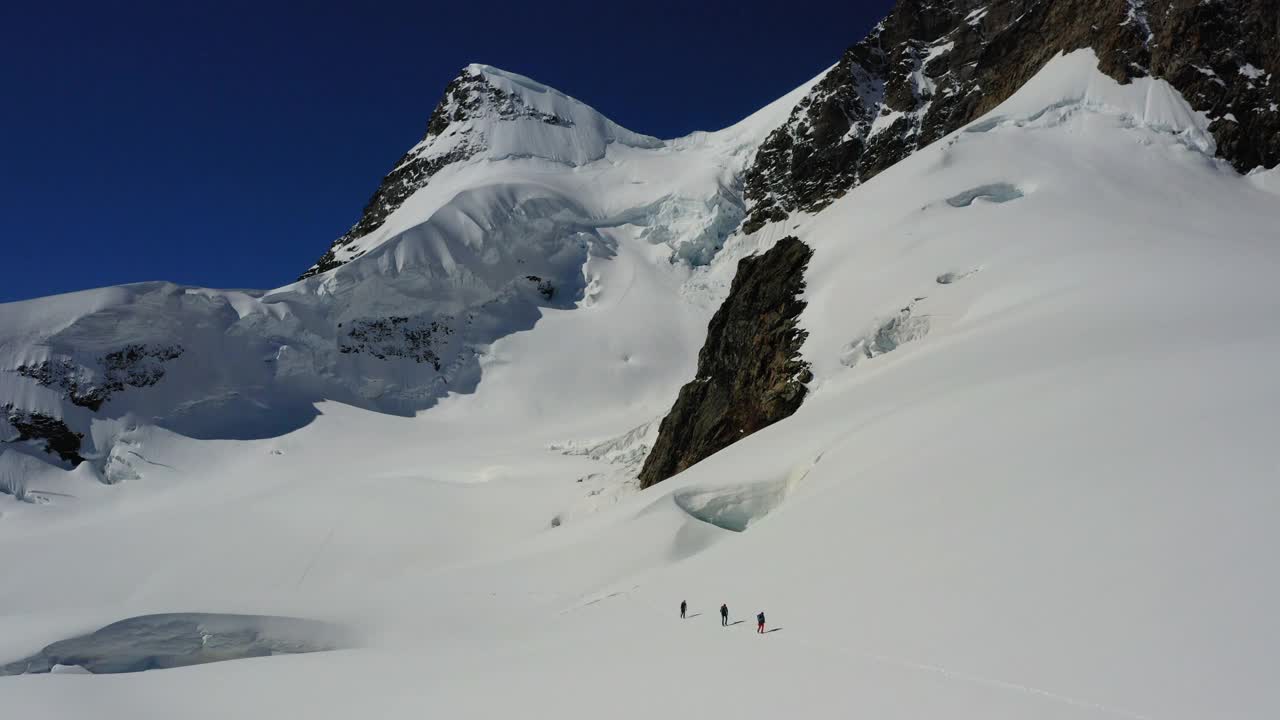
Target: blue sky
<point x="225" y="144"/>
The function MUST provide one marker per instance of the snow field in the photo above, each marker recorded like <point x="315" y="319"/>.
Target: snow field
<point x="1058" y="502"/>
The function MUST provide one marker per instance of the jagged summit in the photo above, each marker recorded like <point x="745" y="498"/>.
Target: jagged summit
<point x="522" y="117"/>
<point x="487" y="114"/>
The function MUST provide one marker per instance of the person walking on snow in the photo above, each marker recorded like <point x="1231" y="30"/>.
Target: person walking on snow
<point x="724" y="615"/>
<point x="760" y="622"/>
<point x="683" y="606"/>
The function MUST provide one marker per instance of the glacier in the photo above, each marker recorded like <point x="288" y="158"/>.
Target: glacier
<point x="1059" y="502"/>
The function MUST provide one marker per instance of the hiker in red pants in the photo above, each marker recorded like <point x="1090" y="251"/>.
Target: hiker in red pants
<point x="760" y="622"/>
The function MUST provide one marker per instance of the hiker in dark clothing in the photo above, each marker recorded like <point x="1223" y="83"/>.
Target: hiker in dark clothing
<point x="760" y="622"/>
<point x="724" y="614"/>
<point x="683" y="606"/>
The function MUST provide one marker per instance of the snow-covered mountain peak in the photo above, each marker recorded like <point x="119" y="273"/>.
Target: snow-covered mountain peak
<point x="506" y="114"/>
<point x="503" y="211"/>
<point x="486" y="114"/>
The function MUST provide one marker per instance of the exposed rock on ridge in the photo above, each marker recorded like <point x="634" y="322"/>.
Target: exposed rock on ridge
<point x="467" y="97"/>
<point x="749" y="372"/>
<point x="134" y="365"/>
<point x="29" y="425"/>
<point x="932" y="66"/>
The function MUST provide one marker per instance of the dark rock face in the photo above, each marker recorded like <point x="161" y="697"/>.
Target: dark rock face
<point x="546" y="288"/>
<point x="1239" y="42"/>
<point x="133" y="365"/>
<point x="469" y="96"/>
<point x="933" y="66"/>
<point x="417" y="339"/>
<point x="749" y="372"/>
<point x="57" y="437"/>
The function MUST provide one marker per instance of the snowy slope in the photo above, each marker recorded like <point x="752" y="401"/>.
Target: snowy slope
<point x="1033" y="477"/>
<point x="519" y="227"/>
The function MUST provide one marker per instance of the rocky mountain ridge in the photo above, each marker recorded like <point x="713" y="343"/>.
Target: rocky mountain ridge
<point x="473" y="119"/>
<point x="468" y="96"/>
<point x="933" y="66"/>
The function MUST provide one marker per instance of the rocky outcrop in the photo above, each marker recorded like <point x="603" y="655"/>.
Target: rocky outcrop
<point x="749" y="371"/>
<point x="134" y="365"/>
<point x="1238" y="43"/>
<point x="58" y="439"/>
<point x="933" y="66"/>
<point x="448" y="140"/>
<point x="398" y="336"/>
<point x="546" y="288"/>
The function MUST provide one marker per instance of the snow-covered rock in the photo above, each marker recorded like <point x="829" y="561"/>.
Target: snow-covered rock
<point x="932" y="67"/>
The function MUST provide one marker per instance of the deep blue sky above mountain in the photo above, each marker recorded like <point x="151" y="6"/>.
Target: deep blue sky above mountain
<point x="226" y="144"/>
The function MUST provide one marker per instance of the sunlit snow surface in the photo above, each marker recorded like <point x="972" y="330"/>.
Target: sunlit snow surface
<point x="1059" y="502"/>
<point x="487" y="249"/>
